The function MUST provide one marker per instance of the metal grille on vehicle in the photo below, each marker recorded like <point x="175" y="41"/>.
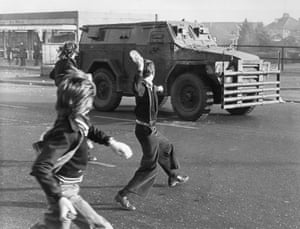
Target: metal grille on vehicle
<point x="253" y="84"/>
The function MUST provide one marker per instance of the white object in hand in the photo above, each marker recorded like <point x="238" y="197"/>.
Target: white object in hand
<point x="160" y="88"/>
<point x="137" y="59"/>
<point x="89" y="76"/>
<point x="120" y="148"/>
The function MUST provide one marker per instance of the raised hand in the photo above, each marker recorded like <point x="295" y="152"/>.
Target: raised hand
<point x="137" y="59"/>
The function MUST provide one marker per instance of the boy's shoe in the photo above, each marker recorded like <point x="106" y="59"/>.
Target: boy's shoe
<point x="124" y="202"/>
<point x="92" y="158"/>
<point x="178" y="179"/>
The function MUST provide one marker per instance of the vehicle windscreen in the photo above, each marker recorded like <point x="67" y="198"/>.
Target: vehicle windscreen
<point x="187" y="35"/>
<point x="205" y="39"/>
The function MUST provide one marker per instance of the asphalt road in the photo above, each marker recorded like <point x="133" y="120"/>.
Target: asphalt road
<point x="244" y="171"/>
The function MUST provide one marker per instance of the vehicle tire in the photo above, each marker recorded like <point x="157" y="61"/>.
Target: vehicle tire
<point x="190" y="97"/>
<point x="107" y="98"/>
<point x="241" y="110"/>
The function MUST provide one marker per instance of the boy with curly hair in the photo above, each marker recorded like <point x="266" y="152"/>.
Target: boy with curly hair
<point x="63" y="156"/>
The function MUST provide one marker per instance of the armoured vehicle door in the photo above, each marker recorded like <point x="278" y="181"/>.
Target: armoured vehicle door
<point x="153" y="43"/>
<point x="97" y="44"/>
<point x="129" y="39"/>
<point x="122" y="37"/>
<point x="159" y="50"/>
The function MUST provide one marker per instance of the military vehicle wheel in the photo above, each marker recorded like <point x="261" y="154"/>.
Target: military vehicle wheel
<point x="190" y="97"/>
<point x="107" y="98"/>
<point x="241" y="110"/>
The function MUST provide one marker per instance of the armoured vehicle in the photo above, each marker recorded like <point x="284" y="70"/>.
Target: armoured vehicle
<point x="194" y="71"/>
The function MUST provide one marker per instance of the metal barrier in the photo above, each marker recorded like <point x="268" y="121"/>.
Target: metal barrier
<point x="285" y="54"/>
<point x="245" y="88"/>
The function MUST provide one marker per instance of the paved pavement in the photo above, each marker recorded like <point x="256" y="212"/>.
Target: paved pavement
<point x="290" y="82"/>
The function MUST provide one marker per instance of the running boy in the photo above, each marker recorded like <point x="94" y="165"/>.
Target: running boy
<point x="63" y="156"/>
<point x="156" y="148"/>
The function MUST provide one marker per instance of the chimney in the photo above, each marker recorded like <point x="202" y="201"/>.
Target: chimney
<point x="286" y="15"/>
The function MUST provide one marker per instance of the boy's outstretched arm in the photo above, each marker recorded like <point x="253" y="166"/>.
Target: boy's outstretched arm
<point x="120" y="148"/>
<point x="100" y="137"/>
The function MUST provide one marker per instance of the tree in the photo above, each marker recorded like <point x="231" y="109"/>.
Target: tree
<point x="246" y="34"/>
<point x="262" y="36"/>
<point x="253" y="34"/>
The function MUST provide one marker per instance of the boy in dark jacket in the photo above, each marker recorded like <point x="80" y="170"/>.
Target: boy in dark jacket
<point x="63" y="156"/>
<point x="66" y="62"/>
<point x="156" y="148"/>
<point x="64" y="66"/>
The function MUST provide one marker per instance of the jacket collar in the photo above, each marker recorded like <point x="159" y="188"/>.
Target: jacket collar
<point x="147" y="84"/>
<point x="79" y="123"/>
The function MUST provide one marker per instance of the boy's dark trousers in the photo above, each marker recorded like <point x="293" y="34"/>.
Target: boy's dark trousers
<point x="156" y="149"/>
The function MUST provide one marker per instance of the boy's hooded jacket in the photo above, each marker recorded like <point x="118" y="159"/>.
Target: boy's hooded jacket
<point x="63" y="153"/>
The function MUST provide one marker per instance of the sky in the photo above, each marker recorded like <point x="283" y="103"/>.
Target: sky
<point x="265" y="11"/>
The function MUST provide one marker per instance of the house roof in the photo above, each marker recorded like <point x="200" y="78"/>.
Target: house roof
<point x="285" y="22"/>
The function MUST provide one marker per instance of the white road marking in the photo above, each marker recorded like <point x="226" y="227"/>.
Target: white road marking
<point x="12" y="106"/>
<point x="8" y="119"/>
<point x="13" y="120"/>
<point x="158" y="123"/>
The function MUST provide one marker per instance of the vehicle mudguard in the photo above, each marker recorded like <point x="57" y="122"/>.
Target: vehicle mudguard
<point x="112" y="65"/>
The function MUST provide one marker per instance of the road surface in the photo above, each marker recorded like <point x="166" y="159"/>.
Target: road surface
<point x="244" y="170"/>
